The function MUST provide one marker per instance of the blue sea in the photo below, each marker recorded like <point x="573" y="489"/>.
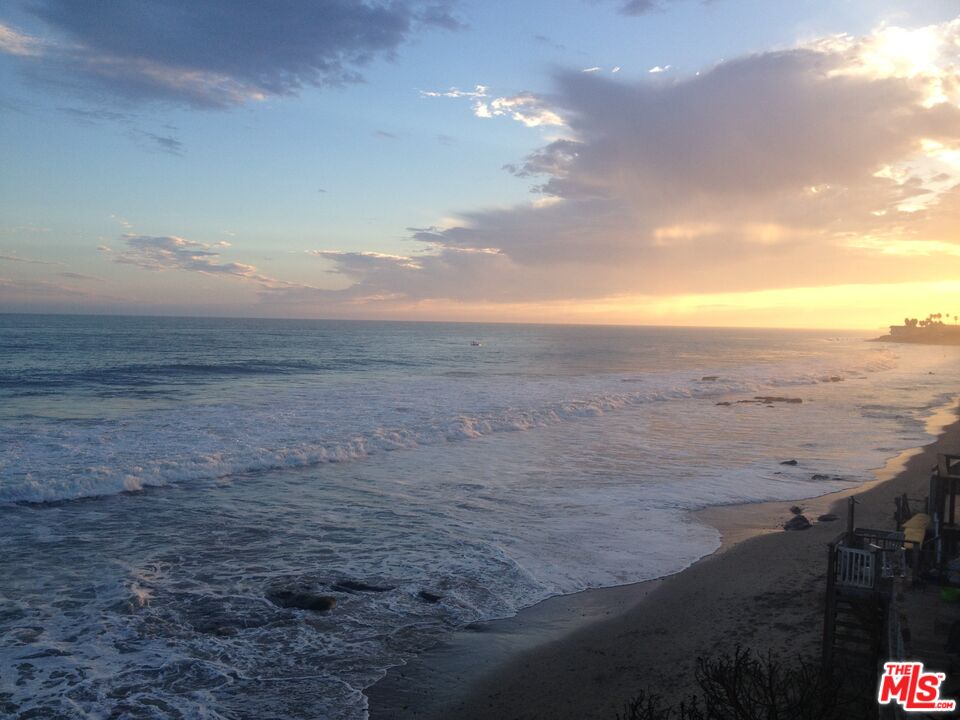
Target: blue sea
<point x="158" y="476"/>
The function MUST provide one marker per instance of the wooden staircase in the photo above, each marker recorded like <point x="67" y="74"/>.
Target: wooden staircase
<point x="861" y="566"/>
<point x="856" y="637"/>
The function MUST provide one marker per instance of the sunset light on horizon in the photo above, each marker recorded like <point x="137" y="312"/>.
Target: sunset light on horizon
<point x="456" y="165"/>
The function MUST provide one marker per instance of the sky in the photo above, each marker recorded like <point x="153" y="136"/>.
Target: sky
<point x="675" y="162"/>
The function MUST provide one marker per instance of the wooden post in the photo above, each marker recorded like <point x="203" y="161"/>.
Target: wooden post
<point x="952" y="485"/>
<point x="851" y="502"/>
<point x="829" y="610"/>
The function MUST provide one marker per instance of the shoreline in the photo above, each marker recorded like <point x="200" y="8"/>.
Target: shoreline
<point x="584" y="655"/>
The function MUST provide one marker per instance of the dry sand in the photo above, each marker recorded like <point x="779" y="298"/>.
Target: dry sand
<point x="583" y="656"/>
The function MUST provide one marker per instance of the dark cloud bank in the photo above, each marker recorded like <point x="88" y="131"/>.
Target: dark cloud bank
<point x="219" y="53"/>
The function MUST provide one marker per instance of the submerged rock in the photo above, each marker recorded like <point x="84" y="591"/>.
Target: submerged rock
<point x="789" y="462"/>
<point x="797" y="522"/>
<point x="818" y="476"/>
<point x="709" y="378"/>
<point x="429" y="597"/>
<point x="224" y="616"/>
<point x="301" y="599"/>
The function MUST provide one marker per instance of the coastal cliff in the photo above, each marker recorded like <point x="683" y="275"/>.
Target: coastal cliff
<point x="923" y="335"/>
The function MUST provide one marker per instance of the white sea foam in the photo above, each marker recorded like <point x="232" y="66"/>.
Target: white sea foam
<point x="50" y="461"/>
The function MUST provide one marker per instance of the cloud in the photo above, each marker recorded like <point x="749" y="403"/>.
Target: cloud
<point x="550" y="42"/>
<point x="528" y="108"/>
<point x="11" y="257"/>
<point x="161" y="253"/>
<point x="454" y="92"/>
<point x="658" y="69"/>
<point x="766" y="171"/>
<point x="525" y="107"/>
<point x="16" y="43"/>
<point x="144" y="138"/>
<point x="217" y="53"/>
<point x="85" y="115"/>
<point x="162" y="143"/>
<point x="78" y="276"/>
<point x="24" y="229"/>
<point x="384" y="135"/>
<point x="169" y="252"/>
<point x="38" y="287"/>
<point x="350" y="263"/>
<point x="636" y="8"/>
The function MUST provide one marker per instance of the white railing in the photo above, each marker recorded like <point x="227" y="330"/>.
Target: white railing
<point x="855" y="567"/>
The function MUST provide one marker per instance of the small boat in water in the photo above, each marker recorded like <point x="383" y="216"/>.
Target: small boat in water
<point x="476" y="343"/>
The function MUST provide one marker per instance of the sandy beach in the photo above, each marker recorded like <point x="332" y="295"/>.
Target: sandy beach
<point x="585" y="655"/>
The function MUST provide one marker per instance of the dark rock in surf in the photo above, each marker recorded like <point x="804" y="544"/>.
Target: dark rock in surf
<point x="796" y="509"/>
<point x="351" y="586"/>
<point x="789" y="462"/>
<point x="224" y="616"/>
<point x="429" y="597"/>
<point x="301" y="599"/>
<point x="709" y="378"/>
<point x="818" y="476"/>
<point x="797" y="522"/>
<point x="726" y="404"/>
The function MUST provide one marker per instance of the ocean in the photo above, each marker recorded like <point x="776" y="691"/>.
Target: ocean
<point x="159" y="476"/>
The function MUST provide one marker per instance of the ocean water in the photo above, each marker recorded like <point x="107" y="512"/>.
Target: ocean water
<point x="158" y="476"/>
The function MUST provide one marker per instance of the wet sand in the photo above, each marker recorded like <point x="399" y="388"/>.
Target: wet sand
<point x="583" y="656"/>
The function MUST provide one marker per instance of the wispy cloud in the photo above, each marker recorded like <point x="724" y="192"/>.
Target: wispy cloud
<point x="169" y="252"/>
<point x="13" y="42"/>
<point x="637" y="8"/>
<point x="547" y="40"/>
<point x="161" y="253"/>
<point x="478" y="91"/>
<point x="13" y="257"/>
<point x="87" y="115"/>
<point x="130" y="123"/>
<point x="161" y="143"/>
<point x="26" y="229"/>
